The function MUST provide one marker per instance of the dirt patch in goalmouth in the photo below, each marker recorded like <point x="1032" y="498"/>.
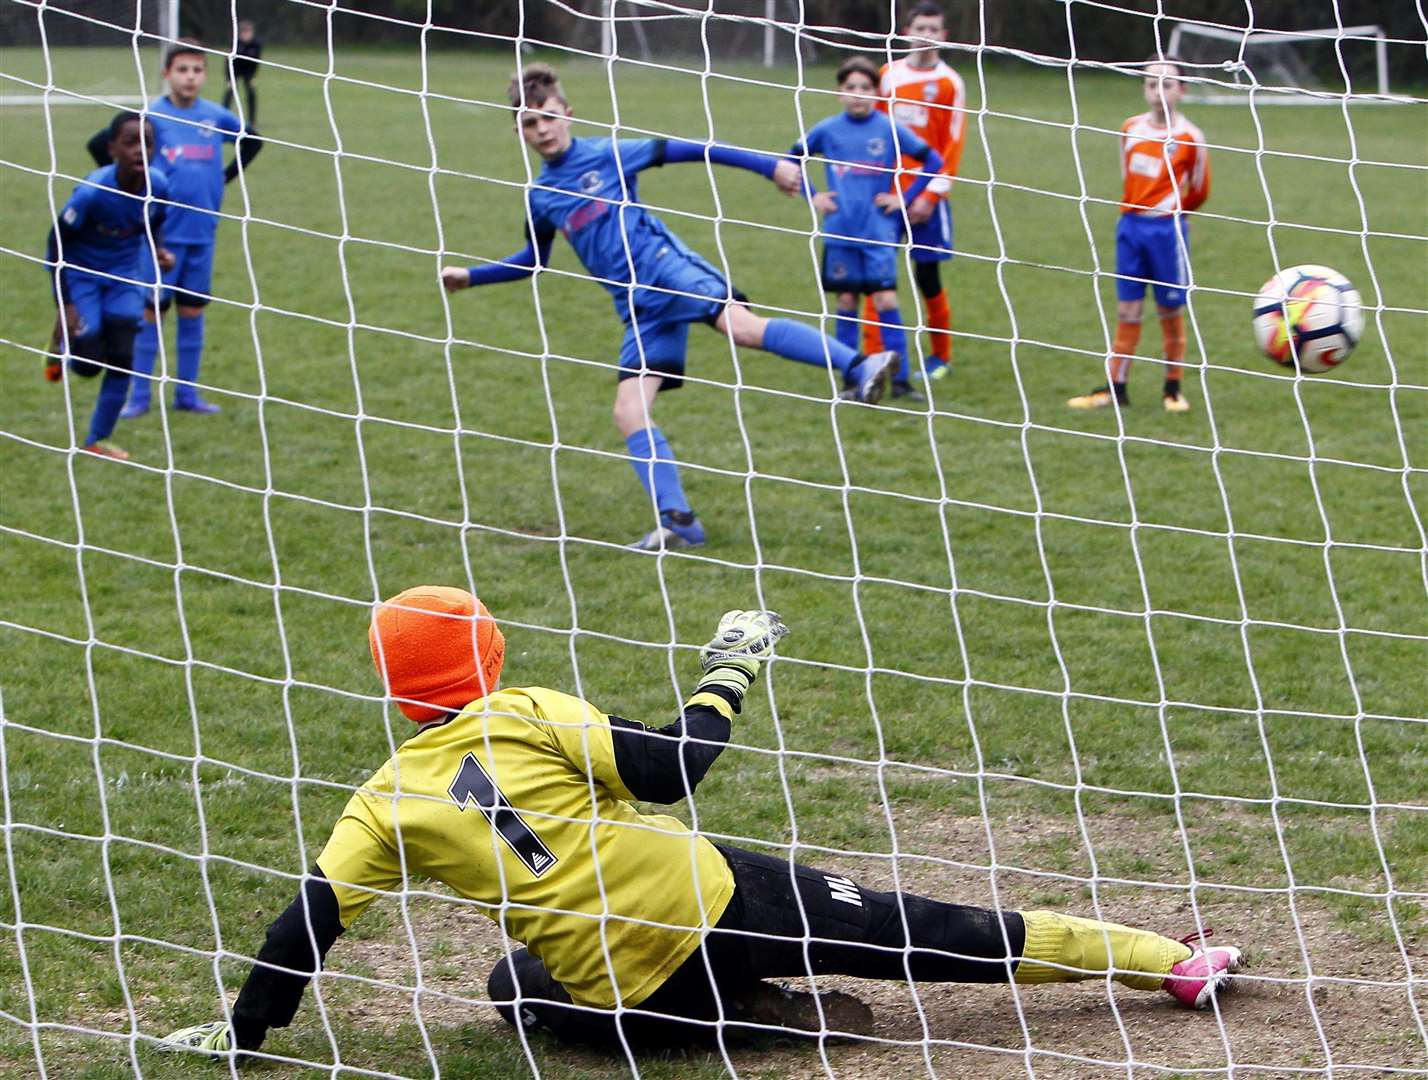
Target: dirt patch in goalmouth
<point x="1356" y="1013"/>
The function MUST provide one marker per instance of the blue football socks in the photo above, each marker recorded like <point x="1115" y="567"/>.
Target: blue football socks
<point x="146" y="349"/>
<point x="846" y="328"/>
<point x="894" y="340"/>
<point x="654" y="464"/>
<point x="190" y="355"/>
<point x="799" y="341"/>
<point x="112" y="392"/>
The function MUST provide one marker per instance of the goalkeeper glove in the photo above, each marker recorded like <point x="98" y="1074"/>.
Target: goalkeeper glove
<point x="743" y="641"/>
<point x="213" y="1039"/>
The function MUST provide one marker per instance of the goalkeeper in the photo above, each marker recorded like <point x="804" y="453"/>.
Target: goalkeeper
<point x="587" y="190"/>
<point x="521" y="800"/>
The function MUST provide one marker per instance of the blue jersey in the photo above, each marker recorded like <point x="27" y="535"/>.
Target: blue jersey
<point x="590" y="195"/>
<point x="863" y="154"/>
<point x="191" y="151"/>
<point x="103" y="228"/>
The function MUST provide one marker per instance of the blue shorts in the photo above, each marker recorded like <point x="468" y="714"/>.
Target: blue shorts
<point x="98" y="300"/>
<point x="190" y="282"/>
<point x="1154" y="250"/>
<point x="859" y="268"/>
<point x="932" y="240"/>
<point x="657" y="335"/>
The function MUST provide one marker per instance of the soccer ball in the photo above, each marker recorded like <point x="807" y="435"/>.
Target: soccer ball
<point x="1309" y="317"/>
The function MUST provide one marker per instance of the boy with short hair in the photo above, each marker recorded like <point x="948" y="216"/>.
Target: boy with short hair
<point x="587" y="190"/>
<point x="191" y="133"/>
<point x="101" y="235"/>
<point x="924" y="94"/>
<point x="1165" y="167"/>
<point x="862" y="208"/>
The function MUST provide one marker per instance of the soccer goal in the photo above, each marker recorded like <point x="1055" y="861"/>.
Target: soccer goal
<point x="1310" y="67"/>
<point x="1154" y="659"/>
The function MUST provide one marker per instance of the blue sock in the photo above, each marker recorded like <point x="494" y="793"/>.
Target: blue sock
<point x="662" y="481"/>
<point x="894" y="339"/>
<point x="146" y="348"/>
<point x="799" y="341"/>
<point x="846" y="328"/>
<point x="190" y="355"/>
<point x="112" y="392"/>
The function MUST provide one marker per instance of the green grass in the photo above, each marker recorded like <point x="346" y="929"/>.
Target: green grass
<point x="1046" y="601"/>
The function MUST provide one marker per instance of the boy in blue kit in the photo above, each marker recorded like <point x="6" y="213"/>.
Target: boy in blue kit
<point x="98" y="244"/>
<point x="863" y="220"/>
<point x="191" y="133"/>
<point x="587" y="191"/>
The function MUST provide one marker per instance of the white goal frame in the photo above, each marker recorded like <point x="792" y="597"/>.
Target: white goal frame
<point x="1204" y="91"/>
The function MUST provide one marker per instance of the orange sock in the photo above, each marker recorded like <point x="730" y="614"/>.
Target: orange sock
<point x="1173" y="327"/>
<point x="939" y="321"/>
<point x="872" y="333"/>
<point x="1123" y="349"/>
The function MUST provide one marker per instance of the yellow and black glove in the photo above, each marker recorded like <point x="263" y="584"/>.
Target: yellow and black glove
<point x="214" y="1039"/>
<point x="741" y="644"/>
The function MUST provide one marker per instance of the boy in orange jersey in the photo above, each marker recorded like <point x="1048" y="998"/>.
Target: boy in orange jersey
<point x="926" y="96"/>
<point x="1166" y="169"/>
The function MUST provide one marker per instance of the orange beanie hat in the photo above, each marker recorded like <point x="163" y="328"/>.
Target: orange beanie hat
<point x="438" y="647"/>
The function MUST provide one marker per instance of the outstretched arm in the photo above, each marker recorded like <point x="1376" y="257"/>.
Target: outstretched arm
<point x="522" y="264"/>
<point x="362" y="864"/>
<point x="665" y="765"/>
<point x="638" y="154"/>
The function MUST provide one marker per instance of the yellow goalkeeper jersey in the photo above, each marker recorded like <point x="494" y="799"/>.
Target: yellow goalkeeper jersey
<point x="517" y="804"/>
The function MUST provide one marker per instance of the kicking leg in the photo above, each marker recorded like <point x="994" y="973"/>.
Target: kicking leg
<point x="867" y="376"/>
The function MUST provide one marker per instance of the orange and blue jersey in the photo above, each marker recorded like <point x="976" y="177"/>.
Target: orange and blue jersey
<point x="1166" y="172"/>
<point x="932" y="103"/>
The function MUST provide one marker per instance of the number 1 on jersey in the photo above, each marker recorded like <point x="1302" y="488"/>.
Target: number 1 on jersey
<point x="474" y="784"/>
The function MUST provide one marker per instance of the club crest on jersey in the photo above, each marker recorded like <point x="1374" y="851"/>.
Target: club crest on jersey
<point x="929" y="91"/>
<point x="590" y="182"/>
<point x="877" y="147"/>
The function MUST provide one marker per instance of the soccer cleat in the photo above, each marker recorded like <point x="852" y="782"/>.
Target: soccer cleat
<point x="133" y="410"/>
<point x="1197" y="978"/>
<point x="1175" y="403"/>
<point x="1097" y="399"/>
<point x="774" y="1006"/>
<point x="671" y="534"/>
<point x="872" y="378"/>
<point x="108" y="450"/>
<point x="934" y="370"/>
<point x="54" y="368"/>
<point x="198" y="406"/>
<point x="904" y="390"/>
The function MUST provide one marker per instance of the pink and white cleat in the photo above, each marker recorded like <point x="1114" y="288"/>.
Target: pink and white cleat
<point x="1197" y="978"/>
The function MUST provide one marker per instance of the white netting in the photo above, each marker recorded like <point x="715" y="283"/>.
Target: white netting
<point x="1160" y="670"/>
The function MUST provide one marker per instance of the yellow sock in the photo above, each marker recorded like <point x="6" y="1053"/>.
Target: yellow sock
<point x="1080" y="945"/>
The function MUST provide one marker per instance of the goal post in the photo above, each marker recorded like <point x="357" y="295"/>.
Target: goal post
<point x="1281" y="67"/>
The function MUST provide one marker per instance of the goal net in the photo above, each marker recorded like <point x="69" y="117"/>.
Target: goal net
<point x="1166" y="669"/>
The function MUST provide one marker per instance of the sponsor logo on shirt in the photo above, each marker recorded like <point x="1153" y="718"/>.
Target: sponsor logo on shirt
<point x="910" y="114"/>
<point x="1147" y="165"/>
<point x="583" y="215"/>
<point x="188" y="152"/>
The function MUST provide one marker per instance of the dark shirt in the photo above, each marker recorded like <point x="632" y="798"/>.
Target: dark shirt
<point x="245" y="58"/>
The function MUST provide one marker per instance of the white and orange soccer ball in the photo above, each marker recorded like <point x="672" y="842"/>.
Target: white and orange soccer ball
<point x="1309" y="317"/>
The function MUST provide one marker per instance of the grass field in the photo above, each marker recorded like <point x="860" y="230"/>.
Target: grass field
<point x="1093" y="660"/>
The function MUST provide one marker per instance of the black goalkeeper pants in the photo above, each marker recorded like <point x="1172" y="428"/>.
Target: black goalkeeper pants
<point x="782" y="922"/>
